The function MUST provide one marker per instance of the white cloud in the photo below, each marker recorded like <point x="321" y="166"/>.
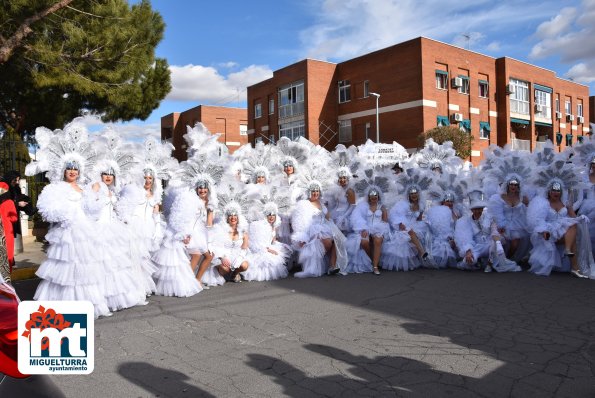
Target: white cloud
<point x="348" y="28"/>
<point x="569" y="36"/>
<point x="582" y="72"/>
<point x="558" y="24"/>
<point x="494" y="46"/>
<point x="204" y="84"/>
<point x="228" y="65"/>
<point x="129" y="131"/>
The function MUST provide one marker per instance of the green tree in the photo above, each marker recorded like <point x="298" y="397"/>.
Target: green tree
<point x="461" y="140"/>
<point x="59" y="59"/>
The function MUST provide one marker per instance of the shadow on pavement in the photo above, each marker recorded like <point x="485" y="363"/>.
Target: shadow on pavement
<point x="159" y="381"/>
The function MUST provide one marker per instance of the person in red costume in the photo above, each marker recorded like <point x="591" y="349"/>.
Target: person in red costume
<point x="9" y="215"/>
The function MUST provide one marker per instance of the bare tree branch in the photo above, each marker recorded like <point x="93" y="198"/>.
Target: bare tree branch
<point x="8" y="45"/>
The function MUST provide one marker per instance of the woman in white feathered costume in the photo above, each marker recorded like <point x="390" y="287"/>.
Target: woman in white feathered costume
<point x="409" y="229"/>
<point x="449" y="191"/>
<point x="139" y="208"/>
<point x="553" y="223"/>
<point x="508" y="207"/>
<point x="369" y="221"/>
<point x="229" y="240"/>
<point x="269" y="256"/>
<point x="71" y="270"/>
<point x="315" y="235"/>
<point x="478" y="240"/>
<point x="121" y="287"/>
<point x="191" y="214"/>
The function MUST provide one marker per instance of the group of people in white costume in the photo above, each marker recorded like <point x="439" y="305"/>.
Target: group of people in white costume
<point x="263" y="212"/>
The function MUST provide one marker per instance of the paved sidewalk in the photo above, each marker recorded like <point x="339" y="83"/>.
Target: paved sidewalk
<point x="424" y="333"/>
<point x="27" y="262"/>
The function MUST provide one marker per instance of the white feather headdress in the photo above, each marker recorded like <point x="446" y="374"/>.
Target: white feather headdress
<point x="435" y="155"/>
<point x="61" y="147"/>
<point x="117" y="158"/>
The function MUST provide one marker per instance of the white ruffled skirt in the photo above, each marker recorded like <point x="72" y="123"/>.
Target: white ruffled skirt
<point x="174" y="277"/>
<point x="266" y="266"/>
<point x="71" y="270"/>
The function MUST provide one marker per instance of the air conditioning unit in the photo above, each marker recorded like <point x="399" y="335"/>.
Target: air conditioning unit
<point x="580" y="119"/>
<point x="457" y="82"/>
<point x="558" y="115"/>
<point x="457" y="117"/>
<point x="509" y="89"/>
<point x="569" y="118"/>
<point x="537" y="109"/>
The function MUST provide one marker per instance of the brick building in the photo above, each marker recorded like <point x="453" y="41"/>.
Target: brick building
<point x="422" y="83"/>
<point x="231" y="123"/>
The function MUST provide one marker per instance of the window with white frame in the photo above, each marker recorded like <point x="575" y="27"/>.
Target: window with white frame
<point x="366" y="88"/>
<point x="368" y="130"/>
<point x="344" y="131"/>
<point x="291" y="100"/>
<point x="543" y="104"/>
<point x="579" y="109"/>
<point x="441" y="79"/>
<point x="519" y="99"/>
<point x="568" y="107"/>
<point x="484" y="87"/>
<point x="344" y="91"/>
<point x="271" y="106"/>
<point x="243" y="129"/>
<point x="257" y="111"/>
<point x="464" y="88"/>
<point x="557" y="104"/>
<point x="292" y="130"/>
<point x="484" y="130"/>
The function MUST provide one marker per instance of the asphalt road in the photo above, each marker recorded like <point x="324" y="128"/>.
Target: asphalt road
<point x="424" y="333"/>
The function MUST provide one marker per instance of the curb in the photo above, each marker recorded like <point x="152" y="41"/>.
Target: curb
<point x="20" y="274"/>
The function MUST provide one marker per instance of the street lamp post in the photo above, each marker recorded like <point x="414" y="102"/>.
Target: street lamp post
<point x="377" y="119"/>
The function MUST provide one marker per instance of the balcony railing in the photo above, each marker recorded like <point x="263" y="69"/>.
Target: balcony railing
<point x="519" y="107"/>
<point x="290" y="110"/>
<point x="543" y="111"/>
<point x="521" y="145"/>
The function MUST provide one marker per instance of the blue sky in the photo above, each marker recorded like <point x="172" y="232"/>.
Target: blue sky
<point x="217" y="48"/>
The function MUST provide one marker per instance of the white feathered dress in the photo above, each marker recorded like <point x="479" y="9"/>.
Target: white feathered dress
<point x="400" y="253"/>
<point x="71" y="270"/>
<point x="441" y="224"/>
<point x="514" y="221"/>
<point x="363" y="219"/>
<point x="340" y="207"/>
<point x="265" y="265"/>
<point x="146" y="230"/>
<point x="221" y="246"/>
<point x="310" y="226"/>
<point x="545" y="255"/>
<point x="478" y="236"/>
<point x="174" y="277"/>
<point x="121" y="287"/>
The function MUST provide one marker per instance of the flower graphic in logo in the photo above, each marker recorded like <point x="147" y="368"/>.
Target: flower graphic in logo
<point x="43" y="319"/>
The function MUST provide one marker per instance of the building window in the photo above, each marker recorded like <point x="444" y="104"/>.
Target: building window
<point x="243" y="129"/>
<point x="484" y="88"/>
<point x="441" y="79"/>
<point x="344" y="91"/>
<point x="257" y="111"/>
<point x="292" y="130"/>
<point x="344" y="130"/>
<point x="291" y="100"/>
<point x="464" y="87"/>
<point x="442" y="121"/>
<point x="271" y="106"/>
<point x="366" y="88"/>
<point x="484" y="130"/>
<point x="543" y="104"/>
<point x="368" y="130"/>
<point x="568" y="107"/>
<point x="579" y="109"/>
<point x="557" y="104"/>
<point x="465" y="126"/>
<point x="519" y="98"/>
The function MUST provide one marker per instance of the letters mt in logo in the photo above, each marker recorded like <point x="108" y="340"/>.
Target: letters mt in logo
<point x="45" y="327"/>
<point x="56" y="337"/>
